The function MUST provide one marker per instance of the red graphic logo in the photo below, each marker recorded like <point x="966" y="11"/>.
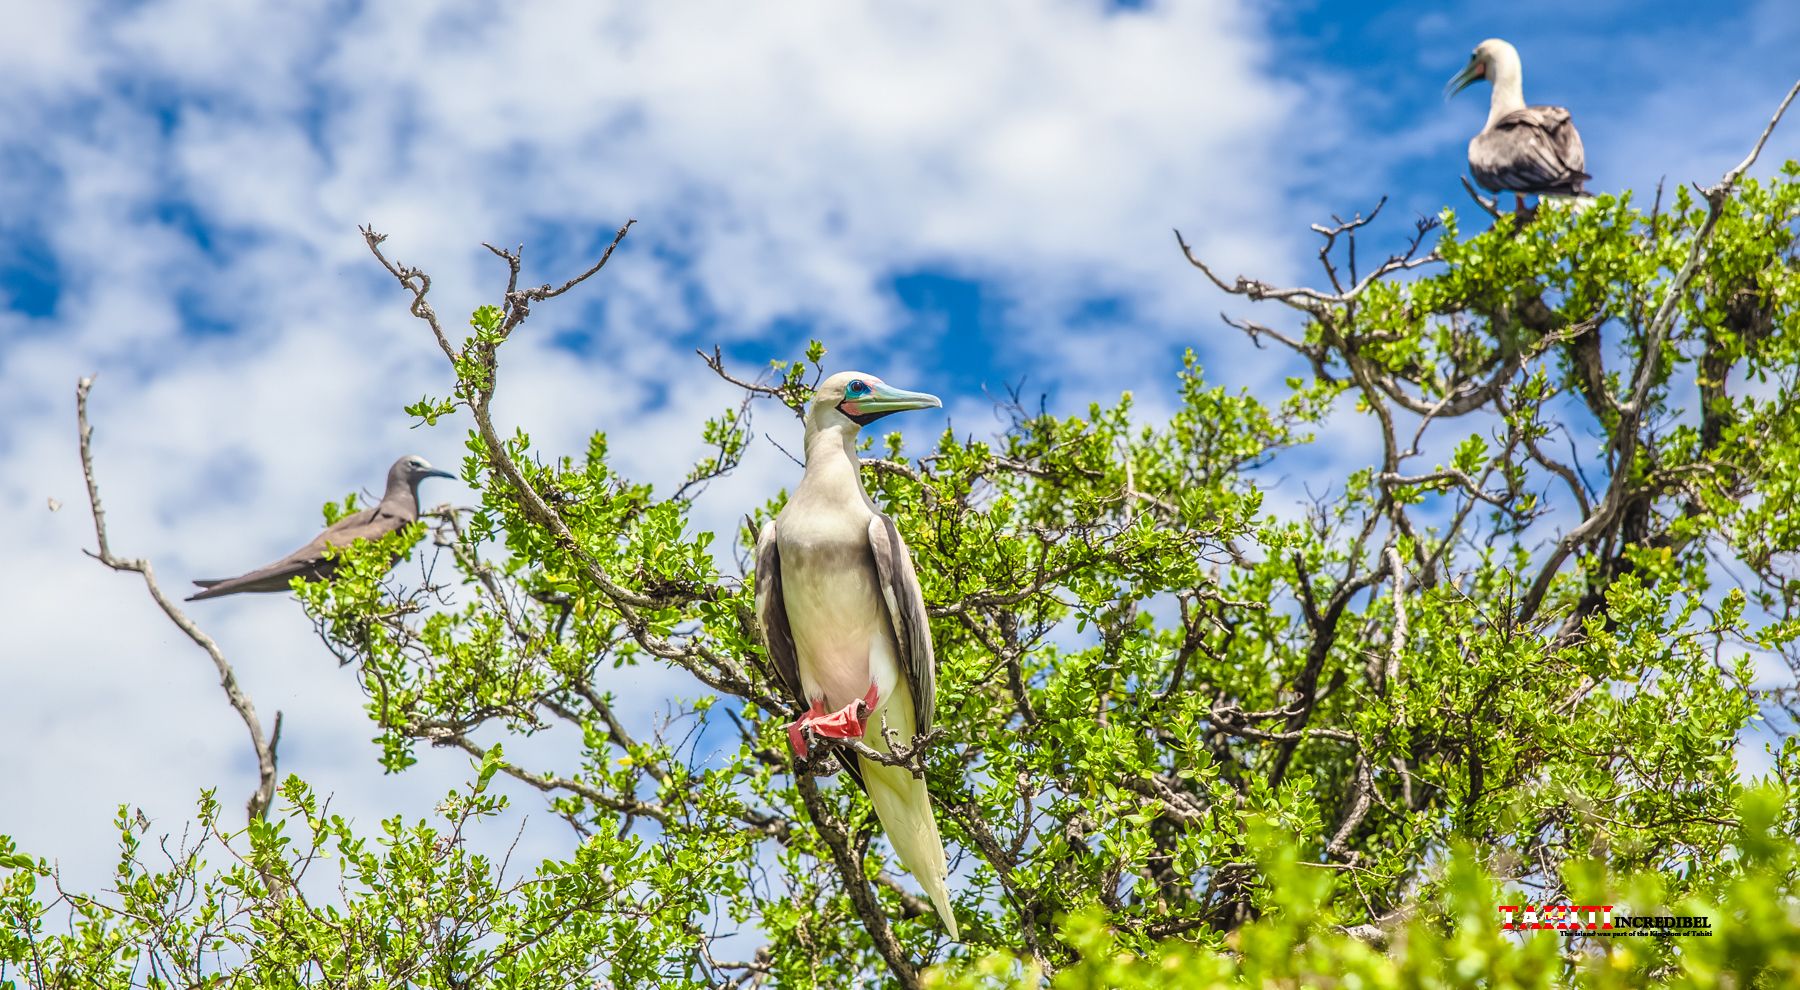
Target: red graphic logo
<point x="1572" y="917"/>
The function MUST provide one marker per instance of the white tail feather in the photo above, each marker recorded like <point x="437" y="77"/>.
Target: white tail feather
<point x="903" y="804"/>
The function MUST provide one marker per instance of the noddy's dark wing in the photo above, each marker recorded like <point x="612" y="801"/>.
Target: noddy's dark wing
<point x="906" y="608"/>
<point x="309" y="561"/>
<point x="1534" y="150"/>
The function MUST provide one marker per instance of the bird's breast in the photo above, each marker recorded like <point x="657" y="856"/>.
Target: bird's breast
<point x="842" y="638"/>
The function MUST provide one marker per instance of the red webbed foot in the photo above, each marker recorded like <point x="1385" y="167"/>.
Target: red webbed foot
<point x="848" y="722"/>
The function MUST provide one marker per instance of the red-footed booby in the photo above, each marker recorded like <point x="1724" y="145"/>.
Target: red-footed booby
<point x="1522" y="150"/>
<point x="844" y="622"/>
<point x="398" y="508"/>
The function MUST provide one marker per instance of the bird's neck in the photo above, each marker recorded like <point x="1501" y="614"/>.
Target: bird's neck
<point x="833" y="471"/>
<point x="401" y="500"/>
<point x="1508" y="79"/>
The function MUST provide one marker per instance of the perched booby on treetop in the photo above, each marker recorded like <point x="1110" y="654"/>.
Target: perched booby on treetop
<point x="1522" y="150"/>
<point x="398" y="508"/>
<point x="843" y="620"/>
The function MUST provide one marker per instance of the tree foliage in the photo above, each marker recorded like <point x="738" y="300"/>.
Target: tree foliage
<point x="1179" y="722"/>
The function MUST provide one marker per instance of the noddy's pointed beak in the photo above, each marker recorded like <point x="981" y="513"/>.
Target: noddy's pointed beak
<point x="1476" y="69"/>
<point x="435" y="473"/>
<point x="884" y="398"/>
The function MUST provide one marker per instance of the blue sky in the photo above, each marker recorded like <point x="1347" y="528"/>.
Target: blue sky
<point x="952" y="195"/>
<point x="1655" y="87"/>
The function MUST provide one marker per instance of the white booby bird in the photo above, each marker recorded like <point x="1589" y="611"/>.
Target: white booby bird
<point x="399" y="507"/>
<point x="844" y="622"/>
<point x="1522" y="150"/>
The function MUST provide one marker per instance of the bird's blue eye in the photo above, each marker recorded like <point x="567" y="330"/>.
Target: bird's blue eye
<point x="857" y="387"/>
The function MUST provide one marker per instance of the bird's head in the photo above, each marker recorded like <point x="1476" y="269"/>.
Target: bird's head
<point x="861" y="399"/>
<point x="408" y="471"/>
<point x="1483" y="63"/>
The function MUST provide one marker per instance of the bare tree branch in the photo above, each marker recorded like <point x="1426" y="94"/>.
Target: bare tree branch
<point x="1362" y="785"/>
<point x="258" y="806"/>
<point x="1463" y="481"/>
<point x="544" y="291"/>
<point x="1304" y="298"/>
<point x="1390" y="677"/>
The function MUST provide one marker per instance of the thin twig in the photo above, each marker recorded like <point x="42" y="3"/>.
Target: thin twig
<point x="1462" y="480"/>
<point x="1492" y="206"/>
<point x="788" y="397"/>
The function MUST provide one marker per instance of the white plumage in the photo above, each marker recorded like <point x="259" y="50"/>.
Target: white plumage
<point x="844" y="622"/>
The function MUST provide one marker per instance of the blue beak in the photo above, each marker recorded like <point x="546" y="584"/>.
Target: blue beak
<point x="883" y="399"/>
<point x="1476" y="69"/>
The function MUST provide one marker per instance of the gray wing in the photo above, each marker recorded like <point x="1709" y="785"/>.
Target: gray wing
<point x="906" y="607"/>
<point x="1534" y="150"/>
<point x="772" y="616"/>
<point x="309" y="561"/>
<point x="1565" y="139"/>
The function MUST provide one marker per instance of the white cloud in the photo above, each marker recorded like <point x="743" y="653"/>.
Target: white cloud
<point x="204" y="166"/>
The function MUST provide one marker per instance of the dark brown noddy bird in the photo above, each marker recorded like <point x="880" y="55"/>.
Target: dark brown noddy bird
<point x="398" y="508"/>
<point x="1522" y="150"/>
